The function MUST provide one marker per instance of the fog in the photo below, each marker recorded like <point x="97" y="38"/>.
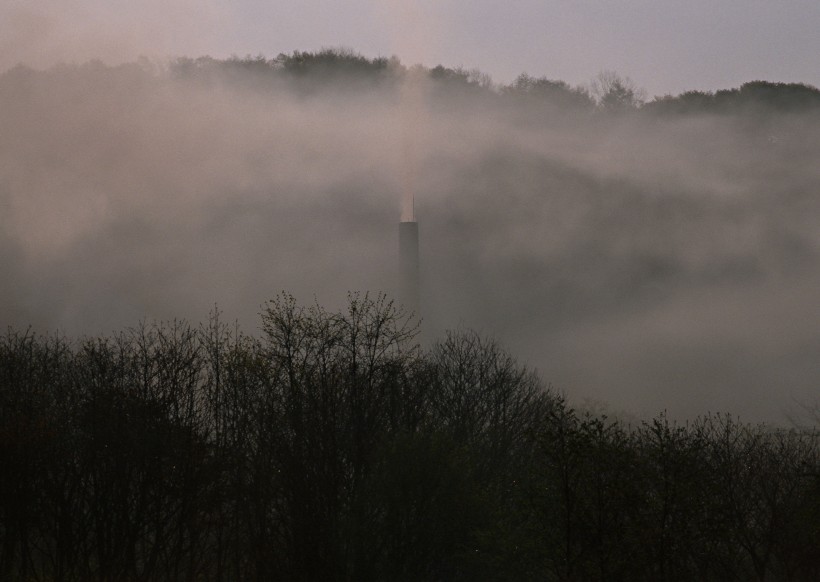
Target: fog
<point x="640" y="262"/>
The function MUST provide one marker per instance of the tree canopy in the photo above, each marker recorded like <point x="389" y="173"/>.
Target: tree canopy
<point x="335" y="447"/>
<point x="608" y="92"/>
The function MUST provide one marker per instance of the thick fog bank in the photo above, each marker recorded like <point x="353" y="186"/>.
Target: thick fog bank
<point x="649" y="261"/>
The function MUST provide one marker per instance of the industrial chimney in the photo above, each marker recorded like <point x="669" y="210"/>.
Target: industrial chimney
<point x="409" y="264"/>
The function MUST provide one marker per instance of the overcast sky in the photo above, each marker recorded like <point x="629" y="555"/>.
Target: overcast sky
<point x="665" y="46"/>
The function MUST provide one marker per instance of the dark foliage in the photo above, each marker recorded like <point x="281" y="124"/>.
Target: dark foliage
<point x="754" y="97"/>
<point x="330" y="62"/>
<point x="555" y="93"/>
<point x="341" y="68"/>
<point x="334" y="448"/>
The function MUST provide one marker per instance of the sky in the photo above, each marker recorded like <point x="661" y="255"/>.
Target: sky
<point x="665" y="46"/>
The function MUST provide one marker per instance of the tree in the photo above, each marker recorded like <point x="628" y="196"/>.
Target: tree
<point x="615" y="93"/>
<point x="557" y="93"/>
<point x="333" y="447"/>
<point x="337" y="391"/>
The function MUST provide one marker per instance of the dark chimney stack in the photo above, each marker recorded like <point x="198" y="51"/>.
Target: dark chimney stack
<point x="409" y="265"/>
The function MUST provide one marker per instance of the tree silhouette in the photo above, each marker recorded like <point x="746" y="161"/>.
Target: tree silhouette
<point x="334" y="447"/>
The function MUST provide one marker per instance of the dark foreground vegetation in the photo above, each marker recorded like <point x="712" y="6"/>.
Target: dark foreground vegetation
<point x="333" y="447"/>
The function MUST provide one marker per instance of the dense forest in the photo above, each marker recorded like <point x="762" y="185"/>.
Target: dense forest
<point x="309" y="72"/>
<point x="333" y="447"/>
<point x="608" y="92"/>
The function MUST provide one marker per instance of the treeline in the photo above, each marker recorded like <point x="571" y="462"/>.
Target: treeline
<point x="608" y="92"/>
<point x="333" y="447"/>
<point x="311" y="72"/>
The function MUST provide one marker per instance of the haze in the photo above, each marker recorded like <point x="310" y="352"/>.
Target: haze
<point x="647" y="263"/>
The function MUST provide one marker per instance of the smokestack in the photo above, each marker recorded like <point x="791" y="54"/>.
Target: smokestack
<point x="409" y="264"/>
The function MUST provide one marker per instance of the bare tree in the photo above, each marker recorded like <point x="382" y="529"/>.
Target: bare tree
<point x="616" y="93"/>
